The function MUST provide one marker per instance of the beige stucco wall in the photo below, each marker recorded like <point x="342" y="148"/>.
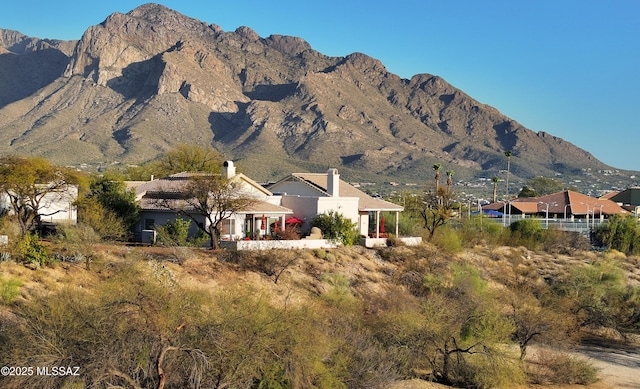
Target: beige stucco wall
<point x="347" y="206"/>
<point x="305" y="208"/>
<point x="55" y="207"/>
<point x="308" y="207"/>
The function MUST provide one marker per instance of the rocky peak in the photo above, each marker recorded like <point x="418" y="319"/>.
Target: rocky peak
<point x="18" y="43"/>
<point x="287" y="44"/>
<point x="9" y="39"/>
<point x="247" y="33"/>
<point x="123" y="39"/>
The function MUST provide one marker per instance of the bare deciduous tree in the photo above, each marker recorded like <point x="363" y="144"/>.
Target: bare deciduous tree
<point x="212" y="198"/>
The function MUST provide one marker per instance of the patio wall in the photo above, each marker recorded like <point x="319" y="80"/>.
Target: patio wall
<point x="278" y="244"/>
<point x="382" y="242"/>
<point x="308" y="243"/>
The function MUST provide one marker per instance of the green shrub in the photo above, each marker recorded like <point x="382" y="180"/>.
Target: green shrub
<point x="29" y="250"/>
<point x="527" y="232"/>
<point x="554" y="368"/>
<point x="9" y="289"/>
<point x="448" y="239"/>
<point x="340" y="292"/>
<point x="174" y="233"/>
<point x="320" y="253"/>
<point x="336" y="227"/>
<point x="619" y="233"/>
<point x="495" y="369"/>
<point x="77" y="235"/>
<point x="102" y="220"/>
<point x="482" y="230"/>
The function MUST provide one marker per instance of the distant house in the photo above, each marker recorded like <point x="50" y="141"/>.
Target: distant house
<point x="56" y="206"/>
<point x="566" y="204"/>
<point x="255" y="221"/>
<point x="312" y="194"/>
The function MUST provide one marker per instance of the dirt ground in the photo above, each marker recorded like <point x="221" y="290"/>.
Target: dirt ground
<point x="619" y="363"/>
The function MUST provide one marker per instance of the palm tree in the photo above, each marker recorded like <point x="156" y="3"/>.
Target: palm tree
<point x="495" y="188"/>
<point x="450" y="174"/>
<point x="508" y="154"/>
<point x="436" y="167"/>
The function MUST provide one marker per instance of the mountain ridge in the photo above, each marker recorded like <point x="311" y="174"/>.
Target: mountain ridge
<point x="140" y="83"/>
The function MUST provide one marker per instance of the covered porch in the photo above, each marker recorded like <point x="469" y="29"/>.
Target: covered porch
<point x="259" y="221"/>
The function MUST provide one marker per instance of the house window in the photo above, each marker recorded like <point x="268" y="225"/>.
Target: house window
<point x="149" y="224"/>
<point x="229" y="226"/>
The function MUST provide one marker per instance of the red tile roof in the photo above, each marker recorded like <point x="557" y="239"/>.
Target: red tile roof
<point x="569" y="202"/>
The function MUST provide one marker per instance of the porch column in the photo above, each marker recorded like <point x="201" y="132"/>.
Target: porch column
<point x="283" y="218"/>
<point x="397" y="222"/>
<point x="377" y="224"/>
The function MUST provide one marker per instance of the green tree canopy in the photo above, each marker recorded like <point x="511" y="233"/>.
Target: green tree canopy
<point x="543" y="186"/>
<point x="527" y="192"/>
<point x="184" y="158"/>
<point x="111" y="194"/>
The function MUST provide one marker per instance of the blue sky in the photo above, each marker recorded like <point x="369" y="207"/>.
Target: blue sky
<point x="570" y="68"/>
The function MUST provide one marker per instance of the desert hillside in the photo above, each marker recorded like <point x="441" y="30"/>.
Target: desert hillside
<point x="349" y="317"/>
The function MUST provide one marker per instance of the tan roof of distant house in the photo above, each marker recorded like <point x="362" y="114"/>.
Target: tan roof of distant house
<point x="366" y="202"/>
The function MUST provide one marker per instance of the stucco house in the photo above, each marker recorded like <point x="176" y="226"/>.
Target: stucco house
<point x="311" y="194"/>
<point x="255" y="221"/>
<point x="56" y="206"/>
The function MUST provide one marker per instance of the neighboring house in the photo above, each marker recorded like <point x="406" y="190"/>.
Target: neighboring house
<point x="628" y="199"/>
<point x="56" y="207"/>
<point x="567" y="205"/>
<point x="255" y="221"/>
<point x="312" y="194"/>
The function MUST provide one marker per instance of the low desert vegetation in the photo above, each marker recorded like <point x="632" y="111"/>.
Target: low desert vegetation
<point x="465" y="316"/>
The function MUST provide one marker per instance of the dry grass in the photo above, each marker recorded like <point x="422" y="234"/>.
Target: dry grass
<point x="365" y="270"/>
<point x="368" y="273"/>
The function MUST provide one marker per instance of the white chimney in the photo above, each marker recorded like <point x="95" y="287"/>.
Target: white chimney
<point x="229" y="170"/>
<point x="333" y="182"/>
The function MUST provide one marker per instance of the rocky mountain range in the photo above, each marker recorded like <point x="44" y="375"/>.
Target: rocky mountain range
<point x="140" y="83"/>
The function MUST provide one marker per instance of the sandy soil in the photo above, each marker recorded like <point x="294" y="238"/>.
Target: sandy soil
<point x="619" y="363"/>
